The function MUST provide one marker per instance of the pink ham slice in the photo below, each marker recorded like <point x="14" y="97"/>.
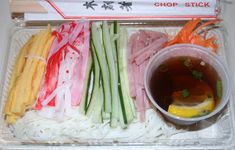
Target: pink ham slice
<point x="64" y="80"/>
<point x="149" y="47"/>
<point x="147" y="52"/>
<point x="141" y="46"/>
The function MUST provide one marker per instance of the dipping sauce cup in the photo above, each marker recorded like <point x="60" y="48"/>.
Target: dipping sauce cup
<point x="188" y="50"/>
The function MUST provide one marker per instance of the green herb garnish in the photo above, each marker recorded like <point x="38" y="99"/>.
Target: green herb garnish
<point x="186" y="61"/>
<point x="210" y="96"/>
<point x="163" y="68"/>
<point x="219" y="88"/>
<point x="197" y="74"/>
<point x="185" y="93"/>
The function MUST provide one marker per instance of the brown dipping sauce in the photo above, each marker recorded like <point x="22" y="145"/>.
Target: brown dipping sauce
<point x="187" y="75"/>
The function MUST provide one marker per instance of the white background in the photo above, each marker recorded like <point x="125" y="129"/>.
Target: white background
<point x="228" y="16"/>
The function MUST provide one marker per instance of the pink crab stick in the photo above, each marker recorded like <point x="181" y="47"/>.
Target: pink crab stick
<point x="63" y="84"/>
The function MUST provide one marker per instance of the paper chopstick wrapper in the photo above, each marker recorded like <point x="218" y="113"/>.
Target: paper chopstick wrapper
<point x="126" y="9"/>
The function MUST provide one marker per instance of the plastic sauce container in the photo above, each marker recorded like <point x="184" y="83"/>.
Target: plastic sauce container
<point x="188" y="50"/>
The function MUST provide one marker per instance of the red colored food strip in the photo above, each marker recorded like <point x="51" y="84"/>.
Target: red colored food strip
<point x="64" y="79"/>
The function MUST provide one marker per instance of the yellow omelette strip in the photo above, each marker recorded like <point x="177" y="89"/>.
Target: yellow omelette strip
<point x="11" y="119"/>
<point x="26" y="86"/>
<point x="23" y="86"/>
<point x="20" y="61"/>
<point x="18" y="67"/>
<point x="39" y="73"/>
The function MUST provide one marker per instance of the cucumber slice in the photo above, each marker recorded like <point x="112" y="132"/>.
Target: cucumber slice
<point x="122" y="63"/>
<point x="112" y="72"/>
<point x="113" y="44"/>
<point x="100" y="53"/>
<point x="110" y="98"/>
<point x="126" y="88"/>
<point x="96" y="84"/>
<point x="97" y="115"/>
<point x="85" y="94"/>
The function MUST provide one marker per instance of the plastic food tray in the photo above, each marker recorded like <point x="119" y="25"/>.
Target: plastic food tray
<point x="214" y="133"/>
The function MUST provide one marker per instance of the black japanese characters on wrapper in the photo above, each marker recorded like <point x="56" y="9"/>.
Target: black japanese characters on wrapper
<point x="108" y="5"/>
<point x="125" y="5"/>
<point x="90" y="4"/>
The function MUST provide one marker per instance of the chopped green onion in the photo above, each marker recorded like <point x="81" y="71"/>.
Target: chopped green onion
<point x="197" y="74"/>
<point x="163" y="68"/>
<point x="210" y="96"/>
<point x="185" y="93"/>
<point x="186" y="61"/>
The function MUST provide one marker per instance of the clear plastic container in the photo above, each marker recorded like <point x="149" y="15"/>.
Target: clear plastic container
<point x="214" y="133"/>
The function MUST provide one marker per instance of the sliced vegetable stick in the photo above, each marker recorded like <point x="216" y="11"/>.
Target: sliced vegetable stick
<point x="206" y="24"/>
<point x="190" y="34"/>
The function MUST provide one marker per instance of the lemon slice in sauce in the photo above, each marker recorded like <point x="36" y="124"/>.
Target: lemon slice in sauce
<point x="195" y="100"/>
<point x="198" y="110"/>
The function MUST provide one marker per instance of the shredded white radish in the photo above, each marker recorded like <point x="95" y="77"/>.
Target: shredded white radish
<point x="80" y="128"/>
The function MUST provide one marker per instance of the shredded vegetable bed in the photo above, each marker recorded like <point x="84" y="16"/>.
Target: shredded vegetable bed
<point x="80" y="128"/>
<point x="88" y="83"/>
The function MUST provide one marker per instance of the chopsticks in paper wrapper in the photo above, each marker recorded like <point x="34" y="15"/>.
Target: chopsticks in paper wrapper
<point x="125" y="9"/>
